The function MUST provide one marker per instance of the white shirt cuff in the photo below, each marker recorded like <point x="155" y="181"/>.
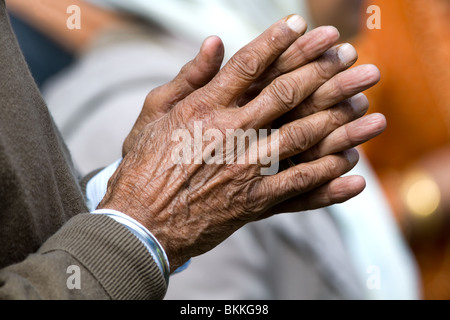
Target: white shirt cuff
<point x="96" y="187"/>
<point x="95" y="192"/>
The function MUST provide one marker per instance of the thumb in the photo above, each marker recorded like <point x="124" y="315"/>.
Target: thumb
<point x="194" y="75"/>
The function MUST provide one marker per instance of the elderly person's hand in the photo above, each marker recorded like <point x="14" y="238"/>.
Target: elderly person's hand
<point x="190" y="205"/>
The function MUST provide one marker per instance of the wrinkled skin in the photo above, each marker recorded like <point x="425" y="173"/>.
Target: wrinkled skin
<point x="300" y="82"/>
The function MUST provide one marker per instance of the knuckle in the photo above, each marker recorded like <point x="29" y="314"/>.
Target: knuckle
<point x="305" y="179"/>
<point x="298" y="138"/>
<point x="276" y="39"/>
<point x="184" y="70"/>
<point x="202" y="105"/>
<point x="322" y="69"/>
<point x="331" y="167"/>
<point x="301" y="53"/>
<point x="224" y="123"/>
<point x="287" y="91"/>
<point x="310" y="176"/>
<point x="254" y="202"/>
<point x="247" y="65"/>
<point x="337" y="88"/>
<point x="299" y="49"/>
<point x="244" y="119"/>
<point x="153" y="94"/>
<point x="336" y="117"/>
<point x="199" y="111"/>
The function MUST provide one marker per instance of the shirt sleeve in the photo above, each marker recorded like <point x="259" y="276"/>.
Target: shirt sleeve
<point x="96" y="190"/>
<point x="96" y="187"/>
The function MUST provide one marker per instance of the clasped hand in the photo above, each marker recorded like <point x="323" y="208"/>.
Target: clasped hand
<point x="298" y="83"/>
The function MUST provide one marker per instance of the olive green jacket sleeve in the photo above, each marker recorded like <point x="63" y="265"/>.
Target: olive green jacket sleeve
<point x="51" y="248"/>
<point x="90" y="257"/>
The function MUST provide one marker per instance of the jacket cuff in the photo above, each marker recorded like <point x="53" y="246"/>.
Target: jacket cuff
<point x="112" y="254"/>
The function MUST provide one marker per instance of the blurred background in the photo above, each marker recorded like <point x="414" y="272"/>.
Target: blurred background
<point x="95" y="80"/>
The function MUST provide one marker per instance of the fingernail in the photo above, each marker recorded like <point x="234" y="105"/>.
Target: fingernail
<point x="359" y="103"/>
<point x="352" y="155"/>
<point x="296" y="23"/>
<point x="347" y="53"/>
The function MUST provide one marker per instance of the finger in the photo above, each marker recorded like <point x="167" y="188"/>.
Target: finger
<point x="342" y="86"/>
<point x="304" y="177"/>
<point x="299" y="136"/>
<point x="194" y="75"/>
<point x="247" y="65"/>
<point x="205" y="65"/>
<point x="305" y="49"/>
<point x="345" y="137"/>
<point x="289" y="90"/>
<point x="336" y="191"/>
<point x="303" y="135"/>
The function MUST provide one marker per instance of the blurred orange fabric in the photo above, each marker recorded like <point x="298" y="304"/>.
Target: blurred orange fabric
<point x="412" y="51"/>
